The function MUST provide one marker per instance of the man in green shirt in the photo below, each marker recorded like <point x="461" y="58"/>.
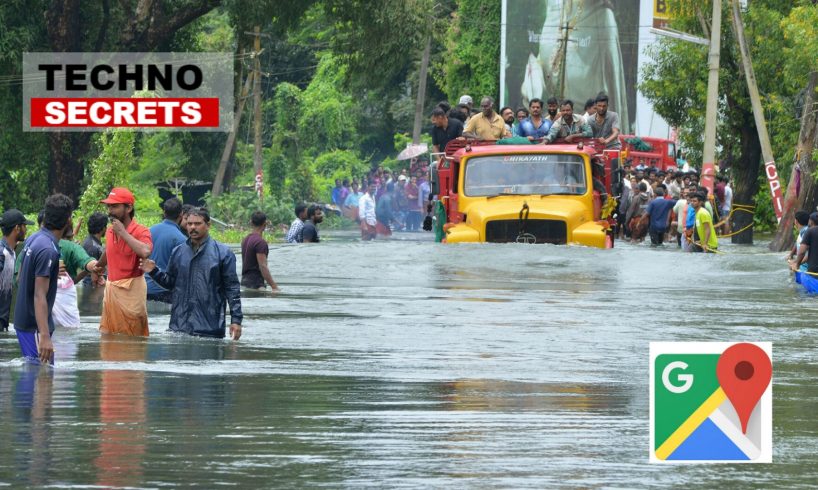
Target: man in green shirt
<point x="77" y="265"/>
<point x="708" y="241"/>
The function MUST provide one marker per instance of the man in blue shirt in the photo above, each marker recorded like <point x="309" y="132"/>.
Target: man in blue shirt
<point x="37" y="279"/>
<point x="659" y="213"/>
<point x="166" y="236"/>
<point x="202" y="274"/>
<point x="534" y="127"/>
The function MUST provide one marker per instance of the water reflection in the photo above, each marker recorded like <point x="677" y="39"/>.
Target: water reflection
<point x="32" y="411"/>
<point x="122" y="413"/>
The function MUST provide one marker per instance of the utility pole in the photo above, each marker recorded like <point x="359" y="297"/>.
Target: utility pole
<point x="257" y="113"/>
<point x="424" y="71"/>
<point x="564" y="59"/>
<point x="758" y="112"/>
<point x="712" y="107"/>
<point x="231" y="137"/>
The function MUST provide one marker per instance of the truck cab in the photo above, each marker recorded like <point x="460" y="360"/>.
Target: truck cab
<point x="559" y="193"/>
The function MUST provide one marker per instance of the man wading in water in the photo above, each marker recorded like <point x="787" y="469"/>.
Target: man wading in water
<point x="124" y="306"/>
<point x="202" y="277"/>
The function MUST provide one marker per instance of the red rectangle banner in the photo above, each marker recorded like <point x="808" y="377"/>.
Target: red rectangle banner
<point x="125" y="112"/>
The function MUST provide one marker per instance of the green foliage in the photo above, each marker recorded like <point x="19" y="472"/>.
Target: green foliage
<point x="338" y="164"/>
<point x="109" y="169"/>
<point x="676" y="83"/>
<point x="471" y="64"/>
<point x="328" y="113"/>
<point x="162" y="157"/>
<point x="236" y="208"/>
<point x="377" y="39"/>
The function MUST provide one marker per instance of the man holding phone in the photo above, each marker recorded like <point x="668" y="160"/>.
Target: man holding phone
<point x="124" y="306"/>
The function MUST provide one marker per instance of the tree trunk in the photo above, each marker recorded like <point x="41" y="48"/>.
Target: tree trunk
<point x="806" y="197"/>
<point x="745" y="178"/>
<point x="66" y="170"/>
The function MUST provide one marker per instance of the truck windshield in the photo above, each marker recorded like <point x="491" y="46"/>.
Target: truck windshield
<point x="540" y="174"/>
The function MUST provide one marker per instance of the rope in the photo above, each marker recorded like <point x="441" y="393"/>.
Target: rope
<point x="701" y="245"/>
<point x="747" y="208"/>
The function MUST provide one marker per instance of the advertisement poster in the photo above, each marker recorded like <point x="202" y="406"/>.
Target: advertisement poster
<point x="572" y="49"/>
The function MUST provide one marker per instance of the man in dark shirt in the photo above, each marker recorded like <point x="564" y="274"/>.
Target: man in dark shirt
<point x="254" y="251"/>
<point x="97" y="225"/>
<point x="444" y="130"/>
<point x="37" y="279"/>
<point x="809" y="243"/>
<point x="314" y="216"/>
<point x="202" y="275"/>
<point x="13" y="225"/>
<point x="659" y="213"/>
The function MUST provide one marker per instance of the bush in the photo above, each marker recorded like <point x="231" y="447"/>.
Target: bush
<point x="235" y="208"/>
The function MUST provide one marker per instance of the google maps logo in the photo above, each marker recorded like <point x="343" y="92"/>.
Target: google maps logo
<point x="710" y="402"/>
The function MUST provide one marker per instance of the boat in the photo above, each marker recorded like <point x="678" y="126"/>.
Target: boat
<point x="809" y="281"/>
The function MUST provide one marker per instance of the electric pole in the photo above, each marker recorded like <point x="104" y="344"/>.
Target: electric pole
<point x="257" y="113"/>
<point x="424" y="70"/>
<point x="564" y="59"/>
<point x="231" y="137"/>
<point x="712" y="108"/>
<point x="758" y="112"/>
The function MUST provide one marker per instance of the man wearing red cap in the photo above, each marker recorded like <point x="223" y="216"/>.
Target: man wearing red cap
<point x="124" y="307"/>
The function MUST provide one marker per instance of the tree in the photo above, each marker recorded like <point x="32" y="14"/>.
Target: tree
<point x="471" y="63"/>
<point x="72" y="25"/>
<point x="679" y="99"/>
<point x="801" y="55"/>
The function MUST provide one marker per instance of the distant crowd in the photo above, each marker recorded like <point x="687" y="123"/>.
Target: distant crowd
<point x="381" y="202"/>
<point x="672" y="206"/>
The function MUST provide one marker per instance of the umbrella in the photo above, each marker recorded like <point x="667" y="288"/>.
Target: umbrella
<point x="413" y="151"/>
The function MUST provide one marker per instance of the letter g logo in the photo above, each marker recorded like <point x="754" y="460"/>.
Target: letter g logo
<point x="685" y="379"/>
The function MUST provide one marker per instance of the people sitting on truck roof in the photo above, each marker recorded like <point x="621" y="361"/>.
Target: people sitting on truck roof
<point x="487" y="125"/>
<point x="520" y="115"/>
<point x="553" y="105"/>
<point x="444" y="129"/>
<point x="569" y="126"/>
<point x="466" y="105"/>
<point x="605" y="124"/>
<point x="460" y="112"/>
<point x="534" y="127"/>
<point x="507" y="113"/>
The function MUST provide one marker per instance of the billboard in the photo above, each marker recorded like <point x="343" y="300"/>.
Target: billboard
<point x="572" y="49"/>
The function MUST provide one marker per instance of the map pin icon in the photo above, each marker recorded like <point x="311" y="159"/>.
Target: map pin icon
<point x="744" y="372"/>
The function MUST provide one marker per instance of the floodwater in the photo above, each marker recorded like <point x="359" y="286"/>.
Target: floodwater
<point x="411" y="364"/>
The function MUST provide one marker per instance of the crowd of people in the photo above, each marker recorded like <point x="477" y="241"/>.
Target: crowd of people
<point x="672" y="206"/>
<point x="175" y="262"/>
<point x="559" y="122"/>
<point x="381" y="202"/>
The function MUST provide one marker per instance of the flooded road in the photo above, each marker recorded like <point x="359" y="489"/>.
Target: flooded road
<point x="406" y="363"/>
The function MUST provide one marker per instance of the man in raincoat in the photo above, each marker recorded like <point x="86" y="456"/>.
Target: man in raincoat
<point x="202" y="277"/>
